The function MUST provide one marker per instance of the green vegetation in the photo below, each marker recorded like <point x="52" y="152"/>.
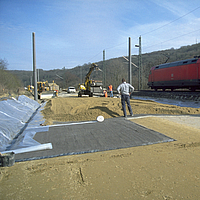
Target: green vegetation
<point x="9" y="83"/>
<point x="116" y="68"/>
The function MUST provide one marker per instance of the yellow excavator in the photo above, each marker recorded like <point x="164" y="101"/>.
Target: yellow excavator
<point x="85" y="89"/>
<point x="42" y="86"/>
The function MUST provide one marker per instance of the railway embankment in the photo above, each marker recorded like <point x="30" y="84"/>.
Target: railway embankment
<point x="177" y="95"/>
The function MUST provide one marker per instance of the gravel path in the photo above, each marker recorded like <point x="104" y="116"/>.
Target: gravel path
<point x="192" y="121"/>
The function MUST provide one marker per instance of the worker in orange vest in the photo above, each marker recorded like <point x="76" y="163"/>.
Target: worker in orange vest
<point x="111" y="90"/>
<point x="105" y="93"/>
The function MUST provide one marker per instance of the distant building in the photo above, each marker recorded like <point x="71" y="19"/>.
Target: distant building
<point x="53" y="86"/>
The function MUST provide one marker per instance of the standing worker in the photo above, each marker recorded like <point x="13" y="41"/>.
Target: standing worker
<point x="105" y="93"/>
<point x="124" y="89"/>
<point x="111" y="90"/>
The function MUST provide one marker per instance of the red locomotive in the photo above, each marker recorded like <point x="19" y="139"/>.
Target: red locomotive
<point x="180" y="74"/>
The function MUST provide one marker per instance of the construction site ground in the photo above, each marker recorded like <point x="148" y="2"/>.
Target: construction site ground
<point x="169" y="170"/>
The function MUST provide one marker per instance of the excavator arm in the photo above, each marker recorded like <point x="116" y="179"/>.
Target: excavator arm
<point x="87" y="77"/>
<point x="88" y="81"/>
<point x="94" y="66"/>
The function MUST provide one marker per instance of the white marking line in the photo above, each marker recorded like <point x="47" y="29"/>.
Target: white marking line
<point x="74" y="123"/>
<point x="140" y="117"/>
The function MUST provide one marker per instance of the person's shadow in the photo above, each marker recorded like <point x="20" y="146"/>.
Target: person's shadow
<point x="106" y="110"/>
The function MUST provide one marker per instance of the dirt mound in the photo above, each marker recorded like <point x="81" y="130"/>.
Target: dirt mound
<point x="84" y="109"/>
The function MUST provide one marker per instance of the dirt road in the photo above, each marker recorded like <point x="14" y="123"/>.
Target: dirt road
<point x="161" y="171"/>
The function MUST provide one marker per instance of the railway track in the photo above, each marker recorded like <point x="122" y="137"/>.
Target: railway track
<point x="178" y="95"/>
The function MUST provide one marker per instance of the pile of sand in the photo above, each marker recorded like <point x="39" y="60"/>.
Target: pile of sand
<point x="85" y="109"/>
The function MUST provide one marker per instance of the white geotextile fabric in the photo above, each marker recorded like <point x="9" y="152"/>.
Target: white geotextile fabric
<point x="25" y="139"/>
<point x="14" y="114"/>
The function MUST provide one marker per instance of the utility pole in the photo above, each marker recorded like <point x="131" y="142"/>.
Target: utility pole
<point x="34" y="69"/>
<point x="104" y="69"/>
<point x="81" y="71"/>
<point x="140" y="63"/>
<point x="140" y="85"/>
<point x="130" y="67"/>
<point x="38" y="79"/>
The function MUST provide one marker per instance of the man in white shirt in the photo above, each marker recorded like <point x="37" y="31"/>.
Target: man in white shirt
<point x="125" y="90"/>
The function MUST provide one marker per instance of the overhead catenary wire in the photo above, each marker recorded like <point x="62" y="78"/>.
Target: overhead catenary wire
<point x="166" y="25"/>
<point x="170" y="22"/>
<point x="173" y="38"/>
<point x="159" y="27"/>
<point x="106" y="49"/>
<point x="156" y="30"/>
<point x="94" y="56"/>
<point x="116" y="45"/>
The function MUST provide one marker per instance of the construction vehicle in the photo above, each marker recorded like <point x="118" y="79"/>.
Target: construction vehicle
<point x="30" y="88"/>
<point x="85" y="89"/>
<point x="42" y="86"/>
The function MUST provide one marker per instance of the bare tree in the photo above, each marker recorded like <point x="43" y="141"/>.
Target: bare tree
<point x="3" y="64"/>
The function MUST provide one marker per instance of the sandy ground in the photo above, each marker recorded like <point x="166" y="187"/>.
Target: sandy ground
<point x="160" y="171"/>
<point x="84" y="109"/>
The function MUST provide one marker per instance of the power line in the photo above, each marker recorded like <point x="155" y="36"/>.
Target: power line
<point x="107" y="49"/>
<point x="116" y="45"/>
<point x="94" y="56"/>
<point x="173" y="38"/>
<point x="170" y="22"/>
<point x="156" y="30"/>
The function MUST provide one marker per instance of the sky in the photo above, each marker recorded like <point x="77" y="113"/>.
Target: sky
<point x="70" y="33"/>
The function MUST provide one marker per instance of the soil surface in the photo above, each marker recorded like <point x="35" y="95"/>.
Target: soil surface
<point x="85" y="109"/>
<point x="160" y="171"/>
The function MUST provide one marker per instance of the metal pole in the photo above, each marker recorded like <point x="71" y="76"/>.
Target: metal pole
<point x="38" y="79"/>
<point x="81" y="74"/>
<point x="34" y="69"/>
<point x="140" y="65"/>
<point x="130" y="69"/>
<point x="104" y="69"/>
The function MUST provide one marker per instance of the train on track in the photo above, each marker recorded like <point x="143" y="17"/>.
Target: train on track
<point x="176" y="75"/>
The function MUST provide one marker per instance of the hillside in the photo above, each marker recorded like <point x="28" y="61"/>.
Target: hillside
<point x="115" y="68"/>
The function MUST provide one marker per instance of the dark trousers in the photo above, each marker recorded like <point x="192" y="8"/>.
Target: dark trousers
<point x="126" y="98"/>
